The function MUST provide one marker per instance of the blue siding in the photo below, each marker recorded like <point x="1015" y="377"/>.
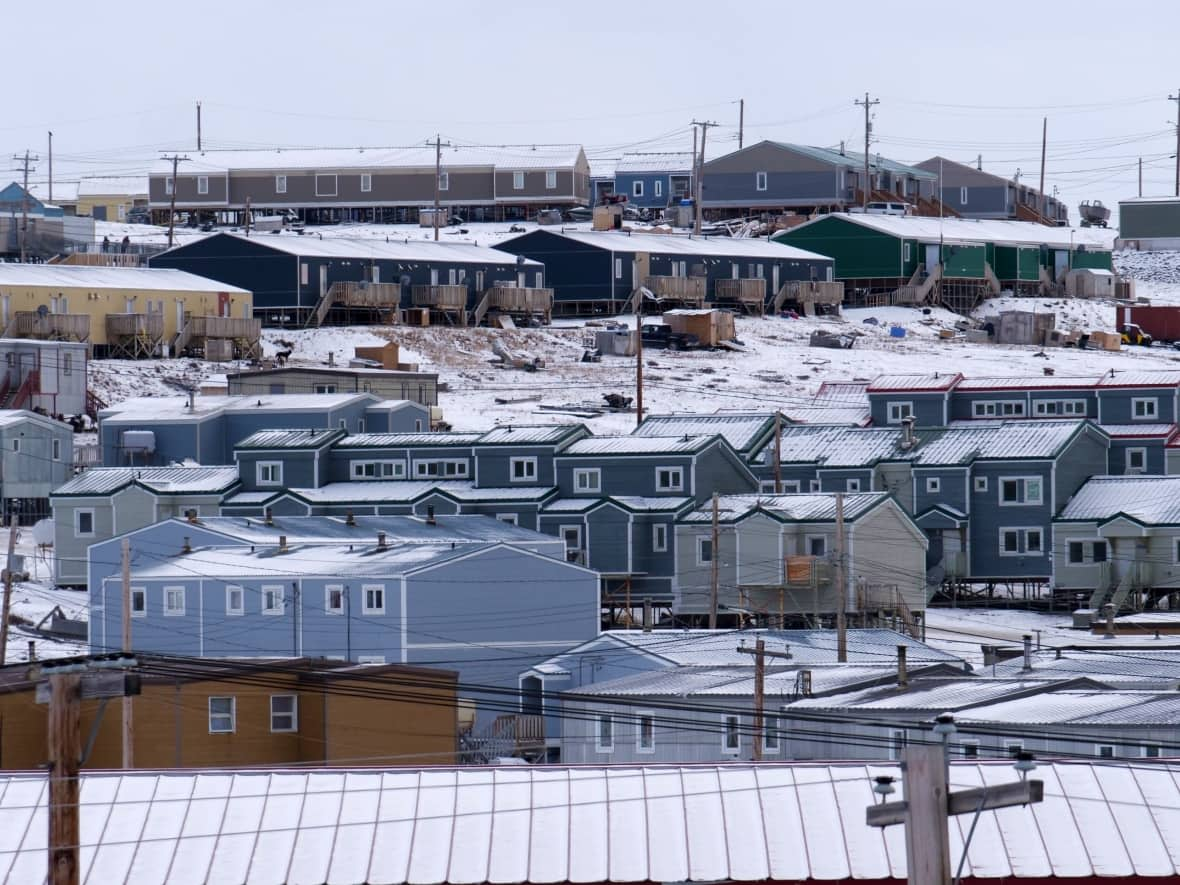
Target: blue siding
<point x="929" y="409"/>
<point x="1154" y="455"/>
<point x="952" y="488"/>
<point x="989" y="516"/>
<point x="1117" y="405"/>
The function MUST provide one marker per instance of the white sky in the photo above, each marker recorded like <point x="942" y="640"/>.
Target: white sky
<point x="117" y="82"/>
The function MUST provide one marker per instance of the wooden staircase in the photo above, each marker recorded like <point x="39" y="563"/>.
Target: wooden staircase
<point x="932" y="207"/>
<point x="1025" y="212"/>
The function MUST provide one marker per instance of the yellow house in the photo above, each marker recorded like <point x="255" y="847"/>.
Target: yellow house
<point x="127" y="312"/>
<point x="110" y="198"/>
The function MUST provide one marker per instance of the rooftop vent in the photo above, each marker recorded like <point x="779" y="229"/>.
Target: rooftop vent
<point x="381" y="543"/>
<point x="349" y="518"/>
<point x="282" y="543"/>
<point x="430" y="520"/>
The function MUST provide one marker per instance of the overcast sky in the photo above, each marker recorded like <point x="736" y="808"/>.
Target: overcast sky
<point x="117" y="82"/>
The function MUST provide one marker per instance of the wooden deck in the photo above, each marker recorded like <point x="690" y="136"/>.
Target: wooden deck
<point x="49" y="326"/>
<point x="748" y="295"/>
<point x="515" y="301"/>
<point x="445" y="303"/>
<point x="686" y="291"/>
<point x="134" y="335"/>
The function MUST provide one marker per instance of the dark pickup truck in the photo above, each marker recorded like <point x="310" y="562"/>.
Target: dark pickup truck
<point x="658" y="335"/>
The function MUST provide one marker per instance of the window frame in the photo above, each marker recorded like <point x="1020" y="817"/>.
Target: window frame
<point x="731" y="728"/>
<point x="609" y="720"/>
<point x="675" y="479"/>
<point x="1022" y="498"/>
<point x="240" y="609"/>
<point x="1022" y="533"/>
<point x="1153" y="401"/>
<point x="973" y="743"/>
<point x="772" y="727"/>
<point x="643" y="717"/>
<point x="1150" y="751"/>
<point x="657" y="188"/>
<point x="202" y="185"/>
<point x="809" y="539"/>
<point x="335" y="192"/>
<point x="280" y="184"/>
<point x="701" y="541"/>
<point x="814" y="485"/>
<point x="168" y="594"/>
<point x="366" y="182"/>
<point x="893" y="410"/>
<point x="232" y="715"/>
<point x="139" y="593"/>
<point x="963" y="195"/>
<point x="898" y="740"/>
<point x="78" y="514"/>
<point x="528" y="462"/>
<point x="518" y="180"/>
<point x="293" y="713"/>
<point x="979" y="484"/>
<point x="444" y="180"/>
<point x="329" y="591"/>
<point x="442" y="464"/>
<point x="275" y="468"/>
<point x="659" y="537"/>
<point x="584" y="473"/>
<point x="55" y="449"/>
<point x="933" y="485"/>
<point x="761" y="181"/>
<point x="1099" y="748"/>
<point x="563" y="532"/>
<point x="852" y="484"/>
<point x="637" y="188"/>
<point x="550" y="179"/>
<point x="1012" y="747"/>
<point x="368" y="609"/>
<point x="275" y="610"/>
<point x="1141" y="451"/>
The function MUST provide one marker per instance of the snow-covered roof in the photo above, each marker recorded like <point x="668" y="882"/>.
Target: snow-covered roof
<point x="972" y="231"/>
<point x="103" y="186"/>
<point x="63" y="191"/>
<point x="407" y="490"/>
<point x="541" y="156"/>
<point x="173" y="408"/>
<point x="932" y="694"/>
<point x="780" y="683"/>
<point x="1139" y="431"/>
<point x="999" y="439"/>
<point x="311" y="438"/>
<point x="669" y="161"/>
<point x="336" y="529"/>
<point x="456" y="438"/>
<point x="147" y="279"/>
<point x="740" y="430"/>
<point x="840" y="446"/>
<point x="1151" y="666"/>
<point x="790" y="508"/>
<point x="639" y="445"/>
<point x="1141" y="709"/>
<point x="1030" y="382"/>
<point x="1160" y="378"/>
<point x="932" y="382"/>
<point x="187" y="480"/>
<point x="530" y="434"/>
<point x="401" y="249"/>
<point x="684" y="244"/>
<point x="1153" y="500"/>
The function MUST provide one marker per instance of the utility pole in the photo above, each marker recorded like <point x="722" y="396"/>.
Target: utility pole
<point x="760" y="655"/>
<point x="778" y="452"/>
<point x="713" y="562"/>
<point x="25" y="162"/>
<point x="638" y="353"/>
<point x="1140" y="176"/>
<point x="50" y="167"/>
<point x="65" y="757"/>
<point x="128" y="725"/>
<point x="1044" y="146"/>
<point x="248" y="217"/>
<point x="700" y="188"/>
<point x="867" y="104"/>
<point x="841" y="616"/>
<point x="439" y="144"/>
<point x="1176" y="98"/>
<point x="176" y="159"/>
<point x="741" y="122"/>
<point x="7" y="607"/>
<point x="198" y="127"/>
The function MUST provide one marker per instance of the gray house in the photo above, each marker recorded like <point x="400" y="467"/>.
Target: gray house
<point x="49" y="376"/>
<point x="387" y="384"/>
<point x="969" y="192"/>
<point x="36" y="456"/>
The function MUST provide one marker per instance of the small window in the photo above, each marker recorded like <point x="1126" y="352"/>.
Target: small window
<point x="16" y="445"/>
<point x="898" y="412"/>
<point x="518" y="181"/>
<point x="637" y="188"/>
<point x="897" y="742"/>
<point x="273" y="601"/>
<point x="704" y="551"/>
<point x="325" y="185"/>
<point x="83" y="523"/>
<point x="905" y="252"/>
<point x="1011" y="748"/>
<point x="522" y="469"/>
<point x="852" y="485"/>
<point x="980" y="484"/>
<point x="202" y="184"/>
<point x="1098" y="553"/>
<point x="366" y="183"/>
<point x="933" y="484"/>
<point x="374" y="595"/>
<point x="657" y="188"/>
<point x="1010" y="540"/>
<point x="659" y="538"/>
<point x="670" y="479"/>
<point x="138" y="602"/>
<point x="618" y="268"/>
<point x="222" y="714"/>
<point x="1077" y="552"/>
<point x="269" y="473"/>
<point x="508" y="518"/>
<point x="325" y="388"/>
<point x="444" y="181"/>
<point x="969" y="749"/>
<point x="645" y="733"/>
<point x="760" y="181"/>
<point x="1104" y="751"/>
<point x="963" y="196"/>
<point x="817" y="545"/>
<point x="790" y="486"/>
<point x="572" y="535"/>
<point x="1144" y="409"/>
<point x="813" y="485"/>
<point x="551" y="179"/>
<point x="1150" y="751"/>
<point x="281" y="186"/>
<point x="587" y="479"/>
<point x="1136" y="460"/>
<point x="235" y="603"/>
<point x="284" y="712"/>
<point x="168" y="186"/>
<point x="55" y="448"/>
<point x="731" y="737"/>
<point x="604" y="733"/>
<point x="1032" y="541"/>
<point x="67" y="363"/>
<point x="334" y="599"/>
<point x="770" y="732"/>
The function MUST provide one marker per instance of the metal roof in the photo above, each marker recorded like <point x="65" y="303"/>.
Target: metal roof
<point x="461" y="439"/>
<point x="934" y="381"/>
<point x="737" y="681"/>
<point x="1030" y="382"/>
<point x="174" y="408"/>
<point x="665" y="162"/>
<point x="999" y="439"/>
<point x="968" y="231"/>
<point x="335" y="529"/>
<point x="1144" y="431"/>
<point x="639" y="445"/>
<point x="840" y="446"/>
<point x="932" y="694"/>
<point x="741" y="430"/>
<point x="1153" y="500"/>
<point x="1161" y="667"/>
<point x="311" y="438"/>
<point x="789" y="508"/>
<point x="739" y="822"/>
<point x="854" y="160"/>
<point x="402" y="249"/>
<point x="188" y="480"/>
<point x="1115" y="378"/>
<point x="686" y="245"/>
<point x="641" y="504"/>
<point x="531" y="434"/>
<point x="144" y="279"/>
<point x="1105" y="707"/>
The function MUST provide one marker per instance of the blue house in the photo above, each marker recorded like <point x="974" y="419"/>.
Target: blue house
<point x="655" y="180"/>
<point x="923" y="398"/>
<point x="1033" y="396"/>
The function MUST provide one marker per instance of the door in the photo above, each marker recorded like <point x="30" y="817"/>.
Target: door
<point x="774" y="280"/>
<point x="931" y="256"/>
<point x="434" y="276"/>
<point x="98" y="213"/>
<point x="323" y="280"/>
<point x="179" y="315"/>
<point x="1060" y="264"/>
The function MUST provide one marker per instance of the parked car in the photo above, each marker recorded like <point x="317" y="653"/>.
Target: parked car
<point x="139" y="215"/>
<point x="882" y="209"/>
<point x="659" y="335"/>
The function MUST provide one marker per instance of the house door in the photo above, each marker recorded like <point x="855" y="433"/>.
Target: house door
<point x="179" y="315"/>
<point x="931" y="256"/>
<point x="774" y="280"/>
<point x="323" y="280"/>
<point x="1060" y="264"/>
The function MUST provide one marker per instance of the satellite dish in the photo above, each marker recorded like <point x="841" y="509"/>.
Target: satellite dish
<point x="42" y="310"/>
<point x="520" y="259"/>
<point x="43" y="532"/>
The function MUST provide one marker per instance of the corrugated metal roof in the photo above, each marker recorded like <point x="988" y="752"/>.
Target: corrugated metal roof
<point x="1152" y="431"/>
<point x="531" y="434"/>
<point x="853" y="160"/>
<point x="681" y="244"/>
<point x="571" y="505"/>
<point x="1000" y="439"/>
<point x="780" y="682"/>
<point x="667" y="162"/>
<point x="1123" y="378"/>
<point x="851" y="416"/>
<point x="402" y="249"/>
<point x="1159" y="666"/>
<point x="638" y="445"/>
<point x="1154" y="500"/>
<point x="639" y="503"/>
<point x="931" y="694"/>
<point x="742" y="431"/>
<point x="461" y="439"/>
<point x="739" y="822"/>
<point x="790" y="508"/>
<point x="840" y="446"/>
<point x="1030" y="382"/>
<point x="106" y="480"/>
<point x="173" y="408"/>
<point x="972" y="231"/>
<point x="289" y="439"/>
<point x="933" y="381"/>
<point x="144" y="279"/>
<point x="1106" y="707"/>
<point x="335" y="529"/>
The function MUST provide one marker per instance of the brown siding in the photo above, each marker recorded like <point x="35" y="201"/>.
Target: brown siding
<point x="404" y="187"/>
<point x="186" y="190"/>
<point x="766" y="157"/>
<point x="534" y="190"/>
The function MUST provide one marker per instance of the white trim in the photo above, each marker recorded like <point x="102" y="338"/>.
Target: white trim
<point x="1098" y="748"/>
<point x="462" y="468"/>
<point x="579" y="551"/>
<point x="169" y="593"/>
<point x="273" y="471"/>
<point x="772" y="725"/>
<point x="675" y="479"/>
<point x="807" y="539"/>
<point x="731" y="727"/>
<point x="637" y="188"/>
<point x="366" y="182"/>
<point x="852" y="484"/>
<point x="141" y="592"/>
<point x="335" y="184"/>
<point x="587" y="473"/>
<point x="1022" y="533"/>
<point x="640" y="717"/>
<point x="279" y="609"/>
<point x="933" y="485"/>
<point x="1022" y="495"/>
<point x="702" y="540"/>
<point x="894" y="413"/>
<point x="329" y="589"/>
<point x="1149" y="414"/>
<point x="529" y="465"/>
<point x="979" y="484"/>
<point x="368" y="609"/>
<point x="600" y="747"/>
<point x="78" y="533"/>
<point x="232" y="715"/>
<point x="761" y="181"/>
<point x="240" y="608"/>
<point x="518" y="180"/>
<point x="550" y="179"/>
<point x="444" y="180"/>
<point x="281" y="188"/>
<point x="510" y="518"/>
<point x="293" y="713"/>
<point x="659" y="537"/>
<point x="1141" y="451"/>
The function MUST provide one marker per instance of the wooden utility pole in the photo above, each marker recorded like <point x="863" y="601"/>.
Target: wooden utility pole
<point x="760" y="655"/>
<point x="741" y="122"/>
<point x="65" y="755"/>
<point x="1140" y="176"/>
<point x="867" y="104"/>
<point x="175" y="158"/>
<point x="439" y="144"/>
<point x="700" y="187"/>
<point x="26" y="168"/>
<point x="638" y="353"/>
<point x="1176" y="98"/>
<point x="128" y="722"/>
<point x="715" y="578"/>
<point x="249" y="217"/>
<point x="7" y="607"/>
<point x="778" y="452"/>
<point x="51" y="167"/>
<point x="1044" y="147"/>
<point x="198" y="126"/>
<point x="841" y="602"/>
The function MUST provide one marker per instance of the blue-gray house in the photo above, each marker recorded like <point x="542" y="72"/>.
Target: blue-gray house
<point x="655" y="180"/>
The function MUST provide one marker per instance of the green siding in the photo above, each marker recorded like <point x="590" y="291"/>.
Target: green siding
<point x="1094" y="260"/>
<point x="859" y="253"/>
<point x="1144" y="220"/>
<point x="963" y="262"/>
<point x="1017" y="262"/>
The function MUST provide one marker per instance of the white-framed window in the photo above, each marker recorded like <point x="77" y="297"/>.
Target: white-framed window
<point x="896" y="412"/>
<point x="905" y="252"/>
<point x="374" y="599"/>
<point x="731" y="735"/>
<point x="450" y="468"/>
<point x="173" y="602"/>
<point x="963" y="196"/>
<point x="235" y="600"/>
<point x="604" y="733"/>
<point x="645" y="732"/>
<point x="897" y="742"/>
<point x="222" y="715"/>
<point x="817" y="545"/>
<point x="284" y="712"/>
<point x="377" y="469"/>
<point x="969" y="748"/>
<point x="1150" y="751"/>
<point x="444" y="181"/>
<point x="334" y="599"/>
<point x="1087" y="552"/>
<point x="587" y="479"/>
<point x="637" y="188"/>
<point x="509" y="518"/>
<point x="518" y="181"/>
<point x="1144" y="408"/>
<point x="550" y="179"/>
<point x="84" y="523"/>
<point x="933" y="484"/>
<point x="269" y="473"/>
<point x="657" y="188"/>
<point x="790" y="486"/>
<point x="202" y="184"/>
<point x="980" y="484"/>
<point x="1136" y="460"/>
<point x="280" y="184"/>
<point x="618" y="268"/>
<point x="704" y="549"/>
<point x="1011" y="748"/>
<point x="325" y="388"/>
<point x="55" y="448"/>
<point x="770" y="732"/>
<point x="366" y="182"/>
<point x="1005" y="408"/>
<point x="67" y="363"/>
<point x="659" y="538"/>
<point x="813" y="485"/>
<point x="274" y="601"/>
<point x="325" y="185"/>
<point x="760" y="181"/>
<point x="169" y="186"/>
<point x="522" y="469"/>
<point x="1104" y="751"/>
<point x="852" y="485"/>
<point x="1022" y="541"/>
<point x="1050" y="407"/>
<point x="138" y="602"/>
<point x="1021" y="490"/>
<point x="670" y="479"/>
<point x="572" y="535"/>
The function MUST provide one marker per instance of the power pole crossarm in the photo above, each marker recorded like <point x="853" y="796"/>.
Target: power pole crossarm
<point x="867" y="104"/>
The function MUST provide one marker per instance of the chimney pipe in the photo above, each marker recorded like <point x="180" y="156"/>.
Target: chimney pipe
<point x="805" y="683"/>
<point x="903" y="676"/>
<point x="269" y="516"/>
<point x="430" y="520"/>
<point x="647" y="615"/>
<point x="32" y="650"/>
<point x="187" y="546"/>
<point x="1027" y="653"/>
<point x="191" y="515"/>
<point x="907" y="428"/>
<point x="282" y="543"/>
<point x="381" y="545"/>
<point x="349" y="518"/>
<point x="1108" y="611"/>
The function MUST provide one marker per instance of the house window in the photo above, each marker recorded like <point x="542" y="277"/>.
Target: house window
<point x="790" y="486"/>
<point x="518" y="181"/>
<point x="509" y="518"/>
<point x="1104" y="751"/>
<point x="444" y="181"/>
<point x="280" y="184"/>
<point x="657" y="188"/>
<point x="704" y="550"/>
<point x="284" y="712"/>
<point x="168" y="186"/>
<point x="604" y="733"/>
<point x="572" y="535"/>
<point x="933" y="484"/>
<point x="378" y="469"/>
<point x="325" y="185"/>
<point x="273" y="601"/>
<point x="202" y="184"/>
<point x="325" y="388"/>
<point x="138" y="602"/>
<point x="618" y="268"/>
<point x="905" y="252"/>
<point x="1000" y="408"/>
<point x="852" y="485"/>
<point x="522" y="469"/>
<point x="551" y="179"/>
<point x="760" y="181"/>
<point x="659" y="538"/>
<point x="452" y="468"/>
<point x="1020" y="490"/>
<point x="898" y="412"/>
<point x="67" y="363"/>
<point x="366" y="182"/>
<point x="637" y="188"/>
<point x="587" y="479"/>
<point x="16" y="445"/>
<point x="980" y="484"/>
<point x="269" y="473"/>
<point x="969" y="749"/>
<point x="1047" y="408"/>
<point x="1150" y="751"/>
<point x="83" y="523"/>
<point x="55" y="448"/>
<point x="222" y="715"/>
<point x="817" y="545"/>
<point x="374" y="595"/>
<point x="1098" y="551"/>
<point x="645" y="734"/>
<point x="1011" y="748"/>
<point x="234" y="600"/>
<point x="770" y="729"/>
<point x="334" y="599"/>
<point x="731" y="736"/>
<point x="813" y="485"/>
<point x="897" y="742"/>
<point x="670" y="479"/>
<point x="963" y="196"/>
<point x="1077" y="552"/>
<point x="1144" y="408"/>
<point x="1136" y="460"/>
<point x="1021" y="541"/>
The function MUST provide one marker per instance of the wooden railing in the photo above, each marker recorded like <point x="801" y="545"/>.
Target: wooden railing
<point x="515" y="300"/>
<point x="690" y="290"/>
<point x="54" y="326"/>
<point x="28" y="387"/>
<point x="139" y="325"/>
<point x="749" y="293"/>
<point x="225" y="327"/>
<point x="809" y="292"/>
<point x="101" y="259"/>
<point x="448" y="298"/>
